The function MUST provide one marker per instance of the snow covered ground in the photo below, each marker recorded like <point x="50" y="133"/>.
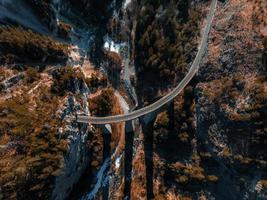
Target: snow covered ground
<point x="110" y="45"/>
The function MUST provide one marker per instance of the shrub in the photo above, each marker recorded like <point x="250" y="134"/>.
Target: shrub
<point x="159" y="197"/>
<point x="32" y="75"/>
<point x="64" y="30"/>
<point x="264" y="183"/>
<point x="212" y="178"/>
<point x="162" y="120"/>
<point x="115" y="59"/>
<point x="184" y="136"/>
<point x="226" y="152"/>
<point x="182" y="179"/>
<point x="67" y="79"/>
<point x="102" y="104"/>
<point x="195" y="172"/>
<point x="96" y="81"/>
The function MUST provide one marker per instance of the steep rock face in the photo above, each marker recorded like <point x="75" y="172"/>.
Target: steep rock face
<point x="4" y="85"/>
<point x="78" y="157"/>
<point x="235" y="44"/>
<point x="51" y="142"/>
<point x="230" y="99"/>
<point x="233" y="77"/>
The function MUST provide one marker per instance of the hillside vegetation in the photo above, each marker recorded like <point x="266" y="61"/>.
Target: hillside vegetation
<point x="165" y="40"/>
<point x="18" y="45"/>
<point x="33" y="151"/>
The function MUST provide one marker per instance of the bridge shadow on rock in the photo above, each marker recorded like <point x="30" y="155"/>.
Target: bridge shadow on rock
<point x="106" y="155"/>
<point x="147" y="123"/>
<point x="129" y="138"/>
<point x="148" y="147"/>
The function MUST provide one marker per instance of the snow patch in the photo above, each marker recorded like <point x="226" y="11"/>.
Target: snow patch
<point x="108" y="127"/>
<point x="112" y="46"/>
<point x="126" y="3"/>
<point x="118" y="162"/>
<point x="74" y="56"/>
<point x="123" y="103"/>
